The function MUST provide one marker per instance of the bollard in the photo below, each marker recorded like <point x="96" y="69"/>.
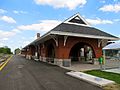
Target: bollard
<point x="100" y="62"/>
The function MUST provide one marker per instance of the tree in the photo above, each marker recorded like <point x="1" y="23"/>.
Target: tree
<point x="5" y="50"/>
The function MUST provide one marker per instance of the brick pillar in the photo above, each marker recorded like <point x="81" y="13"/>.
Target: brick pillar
<point x="62" y="53"/>
<point x="43" y="53"/>
<point x="29" y="54"/>
<point x="98" y="52"/>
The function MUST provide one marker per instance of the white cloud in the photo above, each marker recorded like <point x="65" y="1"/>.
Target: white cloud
<point x="6" y="34"/>
<point x="44" y="25"/>
<point x="116" y="20"/>
<point x="2" y="44"/>
<point x="25" y="41"/>
<point x="102" y="1"/>
<point x="19" y="12"/>
<point x="5" y="39"/>
<point x="98" y="21"/>
<point x="2" y="11"/>
<point x="7" y="19"/>
<point x="115" y="0"/>
<point x="111" y="8"/>
<point x="16" y="12"/>
<point x="71" y="4"/>
<point x="16" y="31"/>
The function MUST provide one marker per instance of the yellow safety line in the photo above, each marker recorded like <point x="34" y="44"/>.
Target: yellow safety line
<point x="2" y="66"/>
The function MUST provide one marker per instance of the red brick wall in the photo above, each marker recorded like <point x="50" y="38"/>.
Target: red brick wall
<point x="92" y="42"/>
<point x="31" y="50"/>
<point x="62" y="52"/>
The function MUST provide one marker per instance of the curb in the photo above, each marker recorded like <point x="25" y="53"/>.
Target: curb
<point x="81" y="76"/>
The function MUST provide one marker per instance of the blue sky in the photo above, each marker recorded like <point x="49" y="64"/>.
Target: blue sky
<point x="20" y="20"/>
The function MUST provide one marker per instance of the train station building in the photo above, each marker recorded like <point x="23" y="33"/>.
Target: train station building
<point x="74" y="40"/>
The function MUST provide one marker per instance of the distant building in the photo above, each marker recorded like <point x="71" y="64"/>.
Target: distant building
<point x="112" y="50"/>
<point x="17" y="51"/>
<point x="72" y="40"/>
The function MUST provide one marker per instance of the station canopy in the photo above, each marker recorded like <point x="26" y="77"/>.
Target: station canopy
<point x="115" y="46"/>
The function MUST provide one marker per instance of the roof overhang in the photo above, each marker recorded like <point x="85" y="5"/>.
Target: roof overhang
<point x="47" y="37"/>
<point x="83" y="35"/>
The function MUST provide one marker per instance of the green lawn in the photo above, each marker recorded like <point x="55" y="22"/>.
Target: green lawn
<point x="107" y="75"/>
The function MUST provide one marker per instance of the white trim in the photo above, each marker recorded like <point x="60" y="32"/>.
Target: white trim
<point x="77" y="14"/>
<point x="55" y="38"/>
<point x="83" y="35"/>
<point x="77" y="24"/>
<point x="65" y="40"/>
<point x="99" y="42"/>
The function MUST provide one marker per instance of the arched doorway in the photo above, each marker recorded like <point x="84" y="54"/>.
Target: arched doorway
<point x="82" y="52"/>
<point x="50" y="53"/>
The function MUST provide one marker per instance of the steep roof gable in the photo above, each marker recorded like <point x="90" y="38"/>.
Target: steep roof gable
<point x="76" y="19"/>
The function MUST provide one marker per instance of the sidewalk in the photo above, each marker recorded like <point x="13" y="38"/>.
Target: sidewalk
<point x="82" y="67"/>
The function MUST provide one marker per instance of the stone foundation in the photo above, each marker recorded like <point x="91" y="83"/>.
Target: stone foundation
<point x="67" y="62"/>
<point x="58" y="62"/>
<point x="28" y="57"/>
<point x="43" y="59"/>
<point x="40" y="58"/>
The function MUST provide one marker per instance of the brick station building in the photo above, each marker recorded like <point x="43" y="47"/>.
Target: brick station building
<point x="72" y="40"/>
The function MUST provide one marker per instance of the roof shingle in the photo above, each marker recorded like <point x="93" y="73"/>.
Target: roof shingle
<point x="64" y="27"/>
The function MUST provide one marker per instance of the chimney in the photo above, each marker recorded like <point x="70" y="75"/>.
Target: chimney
<point x="38" y="35"/>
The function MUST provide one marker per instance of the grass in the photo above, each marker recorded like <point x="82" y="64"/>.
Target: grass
<point x="107" y="75"/>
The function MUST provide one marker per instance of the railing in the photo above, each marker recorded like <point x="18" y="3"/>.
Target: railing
<point x="112" y="63"/>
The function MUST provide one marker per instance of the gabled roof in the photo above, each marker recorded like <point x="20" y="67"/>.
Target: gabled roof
<point x="79" y="27"/>
<point x="76" y="19"/>
<point x="83" y="30"/>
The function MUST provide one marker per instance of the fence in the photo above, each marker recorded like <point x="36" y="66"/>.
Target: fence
<point x="112" y="63"/>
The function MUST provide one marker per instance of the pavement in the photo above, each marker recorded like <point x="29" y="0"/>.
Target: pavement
<point x="22" y="74"/>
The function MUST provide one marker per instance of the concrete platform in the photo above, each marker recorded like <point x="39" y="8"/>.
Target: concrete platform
<point x="82" y="67"/>
<point x="91" y="79"/>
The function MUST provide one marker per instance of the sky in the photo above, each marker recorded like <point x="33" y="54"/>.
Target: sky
<point x="20" y="20"/>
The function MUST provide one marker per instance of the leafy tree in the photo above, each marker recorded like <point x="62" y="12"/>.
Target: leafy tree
<point x="5" y="50"/>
